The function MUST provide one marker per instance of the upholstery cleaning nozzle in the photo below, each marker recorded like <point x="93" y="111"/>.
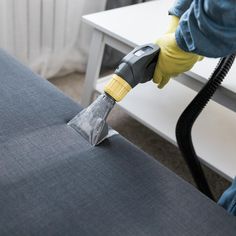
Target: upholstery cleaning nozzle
<point x="91" y="121"/>
<point x="136" y="67"/>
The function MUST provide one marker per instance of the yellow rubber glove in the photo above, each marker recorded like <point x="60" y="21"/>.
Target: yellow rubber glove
<point x="172" y="60"/>
<point x="174" y="21"/>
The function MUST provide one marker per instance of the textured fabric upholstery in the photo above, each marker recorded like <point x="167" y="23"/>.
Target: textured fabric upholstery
<point x="52" y="182"/>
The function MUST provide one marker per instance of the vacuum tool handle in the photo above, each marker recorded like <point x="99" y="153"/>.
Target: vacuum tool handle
<point x="136" y="67"/>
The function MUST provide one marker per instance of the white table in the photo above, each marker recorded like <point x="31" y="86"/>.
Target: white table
<point x="214" y="133"/>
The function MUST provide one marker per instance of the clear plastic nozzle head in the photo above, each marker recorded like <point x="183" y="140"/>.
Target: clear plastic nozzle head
<point x="91" y="122"/>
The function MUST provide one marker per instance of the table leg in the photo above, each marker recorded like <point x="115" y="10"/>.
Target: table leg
<point x="93" y="68"/>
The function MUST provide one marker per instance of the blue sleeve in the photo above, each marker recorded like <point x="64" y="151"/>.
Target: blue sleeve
<point x="228" y="199"/>
<point x="180" y="7"/>
<point x="208" y="28"/>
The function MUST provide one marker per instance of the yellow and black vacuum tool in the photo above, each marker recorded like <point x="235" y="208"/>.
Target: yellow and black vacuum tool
<point x="136" y="67"/>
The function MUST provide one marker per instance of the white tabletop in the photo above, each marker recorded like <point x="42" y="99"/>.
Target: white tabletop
<point x="144" y="23"/>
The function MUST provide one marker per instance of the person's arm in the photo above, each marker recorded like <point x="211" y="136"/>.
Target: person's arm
<point x="228" y="199"/>
<point x="180" y="7"/>
<point x="208" y="28"/>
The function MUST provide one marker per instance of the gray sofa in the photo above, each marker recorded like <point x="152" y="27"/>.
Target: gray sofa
<point x="52" y="182"/>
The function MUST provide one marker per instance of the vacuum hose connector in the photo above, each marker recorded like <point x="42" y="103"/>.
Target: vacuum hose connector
<point x="117" y="88"/>
<point x="136" y="67"/>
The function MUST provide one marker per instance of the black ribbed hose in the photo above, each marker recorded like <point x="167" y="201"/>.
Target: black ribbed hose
<point x="188" y="117"/>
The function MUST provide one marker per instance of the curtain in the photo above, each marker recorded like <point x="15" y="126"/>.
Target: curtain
<point x="47" y="35"/>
